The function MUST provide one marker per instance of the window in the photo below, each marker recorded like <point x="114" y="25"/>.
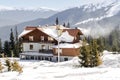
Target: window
<point x="56" y="51"/>
<point x="65" y="59"/>
<point x="42" y="38"/>
<point x="31" y="47"/>
<point x="30" y="38"/>
<point x="56" y="58"/>
<point x="50" y="39"/>
<point x="49" y="47"/>
<point x="60" y="50"/>
<point x="50" y="59"/>
<point x="43" y="47"/>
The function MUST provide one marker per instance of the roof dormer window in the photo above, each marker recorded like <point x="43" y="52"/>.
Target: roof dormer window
<point x="50" y="39"/>
<point x="42" y="38"/>
<point x="30" y="38"/>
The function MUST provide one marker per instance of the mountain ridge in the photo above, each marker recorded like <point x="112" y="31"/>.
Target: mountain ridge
<point x="101" y="21"/>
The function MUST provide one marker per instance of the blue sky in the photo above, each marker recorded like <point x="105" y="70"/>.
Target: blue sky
<point x="54" y="4"/>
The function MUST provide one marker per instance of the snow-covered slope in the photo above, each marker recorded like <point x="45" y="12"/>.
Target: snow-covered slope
<point x="103" y="24"/>
<point x="110" y="10"/>
<point x="95" y="19"/>
<point x="45" y="70"/>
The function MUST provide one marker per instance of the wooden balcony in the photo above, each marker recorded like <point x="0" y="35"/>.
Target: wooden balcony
<point x="41" y="41"/>
<point x="45" y="51"/>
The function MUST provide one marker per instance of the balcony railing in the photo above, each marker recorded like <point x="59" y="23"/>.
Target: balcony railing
<point x="45" y="51"/>
<point x="40" y="51"/>
<point x="42" y="41"/>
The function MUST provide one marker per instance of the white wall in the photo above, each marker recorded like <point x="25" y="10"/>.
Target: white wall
<point x="36" y="46"/>
<point x="26" y="46"/>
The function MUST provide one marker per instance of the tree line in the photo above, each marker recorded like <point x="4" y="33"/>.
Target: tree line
<point x="110" y="42"/>
<point x="11" y="47"/>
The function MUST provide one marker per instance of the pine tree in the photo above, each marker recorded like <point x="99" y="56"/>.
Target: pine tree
<point x="0" y="46"/>
<point x="7" y="48"/>
<point x="100" y="42"/>
<point x="96" y="61"/>
<point x="20" y="48"/>
<point x="1" y="67"/>
<point x="90" y="54"/>
<point x="8" y="64"/>
<point x="68" y="25"/>
<point x="16" y="49"/>
<point x="57" y="21"/>
<point x="85" y="55"/>
<point x="64" y="25"/>
<point x="12" y="42"/>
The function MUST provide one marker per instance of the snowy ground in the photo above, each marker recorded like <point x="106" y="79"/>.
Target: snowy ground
<point x="45" y="70"/>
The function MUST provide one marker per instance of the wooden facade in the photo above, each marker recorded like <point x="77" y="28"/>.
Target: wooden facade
<point x="67" y="51"/>
<point x="38" y="36"/>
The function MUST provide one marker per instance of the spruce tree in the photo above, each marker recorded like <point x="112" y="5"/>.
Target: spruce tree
<point x="90" y="54"/>
<point x="16" y="49"/>
<point x="64" y="25"/>
<point x="68" y="25"/>
<point x="0" y="46"/>
<point x="100" y="42"/>
<point x="7" y="48"/>
<point x="84" y="55"/>
<point x="12" y="42"/>
<point x="96" y="60"/>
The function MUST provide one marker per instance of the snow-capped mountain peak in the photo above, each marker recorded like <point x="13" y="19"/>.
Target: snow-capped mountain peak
<point x="44" y="9"/>
<point x="110" y="10"/>
<point x="114" y="9"/>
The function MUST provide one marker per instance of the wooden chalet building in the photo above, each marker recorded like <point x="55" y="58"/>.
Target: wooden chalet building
<point x="41" y="43"/>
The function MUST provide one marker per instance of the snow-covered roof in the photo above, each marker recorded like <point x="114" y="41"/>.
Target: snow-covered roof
<point x="53" y="32"/>
<point x="65" y="36"/>
<point x="49" y="31"/>
<point x="24" y="32"/>
<point x="69" y="45"/>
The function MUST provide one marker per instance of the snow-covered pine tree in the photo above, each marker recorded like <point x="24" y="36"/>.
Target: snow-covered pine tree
<point x="95" y="54"/>
<point x="85" y="55"/>
<point x="12" y="42"/>
<point x="101" y="45"/>
<point x="90" y="54"/>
